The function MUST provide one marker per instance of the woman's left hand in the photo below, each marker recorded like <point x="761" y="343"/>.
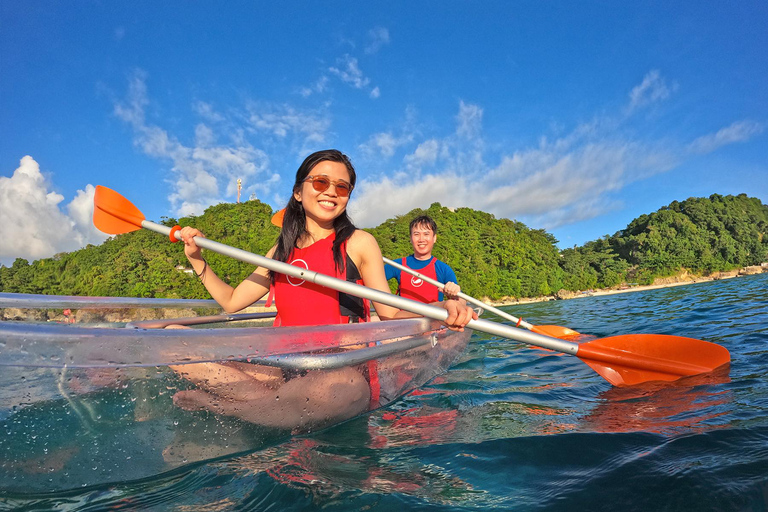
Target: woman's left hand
<point x="459" y="314"/>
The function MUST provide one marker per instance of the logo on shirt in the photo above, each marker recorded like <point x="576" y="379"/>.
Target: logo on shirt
<point x="416" y="281"/>
<point x="297" y="263"/>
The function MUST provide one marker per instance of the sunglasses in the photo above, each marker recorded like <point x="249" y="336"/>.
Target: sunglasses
<point x="322" y="183"/>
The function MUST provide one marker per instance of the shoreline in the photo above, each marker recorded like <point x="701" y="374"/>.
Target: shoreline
<point x="668" y="282"/>
<point x="594" y="293"/>
<point x="90" y="315"/>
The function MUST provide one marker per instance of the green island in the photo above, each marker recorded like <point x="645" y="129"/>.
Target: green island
<point x="497" y="259"/>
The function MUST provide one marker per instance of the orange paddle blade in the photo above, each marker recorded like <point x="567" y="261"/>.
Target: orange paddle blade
<point x="277" y="218"/>
<point x="113" y="214"/>
<point x="636" y="358"/>
<point x="555" y="331"/>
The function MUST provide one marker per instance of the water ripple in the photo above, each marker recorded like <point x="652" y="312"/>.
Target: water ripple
<point x="512" y="427"/>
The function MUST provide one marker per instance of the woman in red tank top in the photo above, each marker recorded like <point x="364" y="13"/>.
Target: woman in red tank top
<point x="316" y="234"/>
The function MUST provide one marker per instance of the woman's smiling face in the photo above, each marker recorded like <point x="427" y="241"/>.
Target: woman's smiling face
<point x="323" y="207"/>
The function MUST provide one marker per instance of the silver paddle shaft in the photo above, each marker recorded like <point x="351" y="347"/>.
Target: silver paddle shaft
<point x="477" y="302"/>
<point x="357" y="290"/>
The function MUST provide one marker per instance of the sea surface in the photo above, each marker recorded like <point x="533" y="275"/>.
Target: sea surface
<point x="510" y="427"/>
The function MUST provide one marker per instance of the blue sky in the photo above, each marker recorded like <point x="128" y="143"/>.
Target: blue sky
<point x="574" y="117"/>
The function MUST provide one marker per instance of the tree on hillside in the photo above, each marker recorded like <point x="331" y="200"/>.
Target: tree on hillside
<point x="492" y="257"/>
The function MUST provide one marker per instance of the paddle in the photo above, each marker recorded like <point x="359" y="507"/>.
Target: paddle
<point x="621" y="360"/>
<point x="555" y="331"/>
<point x="198" y="320"/>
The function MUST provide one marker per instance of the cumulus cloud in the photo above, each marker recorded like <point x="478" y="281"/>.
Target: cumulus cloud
<point x="376" y="201"/>
<point x="33" y="223"/>
<point x="739" y="131"/>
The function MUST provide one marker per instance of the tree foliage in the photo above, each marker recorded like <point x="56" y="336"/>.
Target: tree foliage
<point x="145" y="264"/>
<point x="491" y="257"/>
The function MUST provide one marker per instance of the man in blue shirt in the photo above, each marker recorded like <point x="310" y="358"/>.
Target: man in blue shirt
<point x="423" y="237"/>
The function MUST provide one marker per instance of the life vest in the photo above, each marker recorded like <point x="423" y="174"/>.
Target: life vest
<point x="304" y="303"/>
<point x="412" y="287"/>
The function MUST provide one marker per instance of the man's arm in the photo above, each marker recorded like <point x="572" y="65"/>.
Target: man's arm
<point x="391" y="272"/>
<point x="447" y="276"/>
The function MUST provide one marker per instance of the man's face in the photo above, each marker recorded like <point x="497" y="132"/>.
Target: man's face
<point x="422" y="240"/>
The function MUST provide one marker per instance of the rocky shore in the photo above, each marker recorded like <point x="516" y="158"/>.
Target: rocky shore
<point x="120" y="315"/>
<point x="93" y="316"/>
<point x="666" y="282"/>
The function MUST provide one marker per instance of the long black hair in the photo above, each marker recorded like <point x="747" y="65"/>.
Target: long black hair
<point x="295" y="220"/>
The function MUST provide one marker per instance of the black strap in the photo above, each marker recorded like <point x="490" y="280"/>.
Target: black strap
<point x="349" y="305"/>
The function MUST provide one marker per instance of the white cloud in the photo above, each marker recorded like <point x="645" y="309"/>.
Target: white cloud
<point x="80" y="210"/>
<point x="284" y="120"/>
<point x="33" y="224"/>
<point x="320" y="85"/>
<point x="425" y="154"/>
<point x="377" y="201"/>
<point x="377" y="37"/>
<point x="549" y="188"/>
<point x="349" y="72"/>
<point x="561" y="181"/>
<point x="204" y="136"/>
<point x="132" y="110"/>
<point x="469" y="120"/>
<point x="739" y="131"/>
<point x="573" y="175"/>
<point x="384" y="144"/>
<point x="652" y="89"/>
<point x="203" y="174"/>
<point x="206" y="111"/>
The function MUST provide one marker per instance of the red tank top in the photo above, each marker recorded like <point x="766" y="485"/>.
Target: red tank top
<point x="412" y="287"/>
<point x="303" y="303"/>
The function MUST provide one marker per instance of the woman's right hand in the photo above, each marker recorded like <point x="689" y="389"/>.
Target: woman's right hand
<point x="191" y="250"/>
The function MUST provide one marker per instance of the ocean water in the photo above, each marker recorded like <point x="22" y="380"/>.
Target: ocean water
<point x="510" y="427"/>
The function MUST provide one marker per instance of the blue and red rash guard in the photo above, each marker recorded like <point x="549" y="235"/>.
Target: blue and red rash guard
<point x="412" y="287"/>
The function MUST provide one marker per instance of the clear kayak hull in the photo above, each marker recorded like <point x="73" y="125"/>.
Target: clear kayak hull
<point x="88" y="406"/>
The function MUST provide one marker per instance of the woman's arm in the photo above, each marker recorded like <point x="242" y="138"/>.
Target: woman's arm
<point x="366" y="254"/>
<point x="253" y="288"/>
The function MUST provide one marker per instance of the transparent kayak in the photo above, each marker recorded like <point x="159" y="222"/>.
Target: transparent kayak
<point x="90" y="405"/>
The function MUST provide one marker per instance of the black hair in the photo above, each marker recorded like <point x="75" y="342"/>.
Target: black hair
<point x="295" y="220"/>
<point x="423" y="220"/>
